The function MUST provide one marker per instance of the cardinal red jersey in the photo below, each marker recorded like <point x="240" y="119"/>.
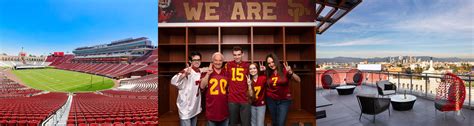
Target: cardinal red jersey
<point x="237" y="81"/>
<point x="216" y="97"/>
<point x="277" y="87"/>
<point x="259" y="88"/>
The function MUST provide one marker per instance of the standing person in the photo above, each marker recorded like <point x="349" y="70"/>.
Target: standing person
<point x="258" y="106"/>
<point x="239" y="105"/>
<point x="189" y="96"/>
<point x="278" y="94"/>
<point x="214" y="82"/>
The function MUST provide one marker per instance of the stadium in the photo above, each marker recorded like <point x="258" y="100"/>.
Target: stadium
<point x="115" y="83"/>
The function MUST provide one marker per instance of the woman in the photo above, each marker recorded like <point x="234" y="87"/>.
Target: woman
<point x="278" y="94"/>
<point x="258" y="84"/>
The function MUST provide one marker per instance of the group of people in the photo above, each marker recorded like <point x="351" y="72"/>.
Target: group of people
<point x="236" y="93"/>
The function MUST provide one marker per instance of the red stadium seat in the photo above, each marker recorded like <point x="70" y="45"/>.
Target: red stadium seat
<point x="100" y="120"/>
<point x="147" y="119"/>
<point x="91" y="120"/>
<point x="118" y="119"/>
<point x="71" y="121"/>
<point x="33" y="123"/>
<point x="139" y="124"/>
<point x="128" y="124"/>
<point x="137" y="119"/>
<point x="151" y="123"/>
<point x="118" y="124"/>
<point x="11" y="123"/>
<point x="81" y="121"/>
<point x="128" y="119"/>
<point x="3" y="122"/>
<point x="109" y="120"/>
<point x="22" y="123"/>
<point x="106" y="124"/>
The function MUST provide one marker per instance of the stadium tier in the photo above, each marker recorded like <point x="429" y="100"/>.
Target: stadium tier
<point x="129" y="47"/>
<point x="102" y="66"/>
<point x="94" y="109"/>
<point x="145" y="83"/>
<point x="109" y="70"/>
<point x="56" y="60"/>
<point x="10" y="89"/>
<point x="148" y="58"/>
<point x="29" y="110"/>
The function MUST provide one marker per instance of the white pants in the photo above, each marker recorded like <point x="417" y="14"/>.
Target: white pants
<point x="258" y="115"/>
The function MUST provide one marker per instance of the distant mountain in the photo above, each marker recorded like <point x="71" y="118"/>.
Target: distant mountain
<point x="387" y="59"/>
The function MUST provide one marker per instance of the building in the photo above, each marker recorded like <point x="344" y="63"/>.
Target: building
<point x="125" y="47"/>
<point x="118" y="51"/>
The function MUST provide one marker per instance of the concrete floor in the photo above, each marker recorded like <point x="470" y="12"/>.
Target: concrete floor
<point x="345" y="111"/>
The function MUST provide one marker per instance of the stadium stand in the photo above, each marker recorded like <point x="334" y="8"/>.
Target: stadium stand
<point x="135" y="102"/>
<point x="90" y="108"/>
<point x="109" y="70"/>
<point x="148" y="58"/>
<point x="10" y="89"/>
<point x="142" y="88"/>
<point x="29" y="111"/>
<point x="57" y="60"/>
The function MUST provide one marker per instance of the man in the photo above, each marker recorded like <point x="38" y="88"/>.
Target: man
<point x="214" y="82"/>
<point x="239" y="105"/>
<point x="189" y="98"/>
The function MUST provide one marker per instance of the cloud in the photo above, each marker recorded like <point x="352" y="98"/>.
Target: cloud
<point x="457" y="19"/>
<point x="357" y="42"/>
<point x="381" y="53"/>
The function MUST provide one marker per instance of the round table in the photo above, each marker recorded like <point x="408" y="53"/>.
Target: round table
<point x="402" y="103"/>
<point x="345" y="90"/>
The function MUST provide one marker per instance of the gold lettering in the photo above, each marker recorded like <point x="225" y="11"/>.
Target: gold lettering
<point x="268" y="12"/>
<point x="238" y="11"/>
<point x="297" y="11"/>
<point x="192" y="13"/>
<point x="253" y="9"/>
<point x="211" y="10"/>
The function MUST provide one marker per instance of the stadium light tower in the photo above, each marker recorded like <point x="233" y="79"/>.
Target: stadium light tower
<point x="90" y="86"/>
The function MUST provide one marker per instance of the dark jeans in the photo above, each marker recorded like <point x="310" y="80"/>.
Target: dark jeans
<point x="278" y="110"/>
<point x="218" y="123"/>
<point x="237" y="110"/>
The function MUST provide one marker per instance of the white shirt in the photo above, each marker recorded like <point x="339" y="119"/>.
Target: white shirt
<point x="189" y="96"/>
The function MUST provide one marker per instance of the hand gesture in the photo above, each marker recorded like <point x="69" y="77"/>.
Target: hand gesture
<point x="288" y="68"/>
<point x="188" y="69"/>
<point x="210" y="69"/>
<point x="262" y="67"/>
<point x="250" y="91"/>
<point x="249" y="80"/>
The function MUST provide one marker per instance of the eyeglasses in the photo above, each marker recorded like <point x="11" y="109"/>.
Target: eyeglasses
<point x="193" y="60"/>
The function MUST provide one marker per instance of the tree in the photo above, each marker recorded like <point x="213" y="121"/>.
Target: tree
<point x="418" y="70"/>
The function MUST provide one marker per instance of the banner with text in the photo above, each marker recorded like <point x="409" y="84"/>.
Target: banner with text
<point x="181" y="11"/>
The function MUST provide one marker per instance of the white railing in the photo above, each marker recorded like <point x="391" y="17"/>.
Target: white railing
<point x="59" y="118"/>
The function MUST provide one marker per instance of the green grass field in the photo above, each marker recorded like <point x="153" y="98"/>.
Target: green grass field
<point x="56" y="80"/>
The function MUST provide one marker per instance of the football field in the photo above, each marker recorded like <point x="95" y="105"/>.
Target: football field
<point x="56" y="80"/>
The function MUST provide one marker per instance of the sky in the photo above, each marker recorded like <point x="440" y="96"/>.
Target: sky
<point x="375" y="28"/>
<point x="381" y="28"/>
<point x="46" y="26"/>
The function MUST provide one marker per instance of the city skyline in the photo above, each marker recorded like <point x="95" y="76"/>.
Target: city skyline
<point x="436" y="28"/>
<point x="45" y="26"/>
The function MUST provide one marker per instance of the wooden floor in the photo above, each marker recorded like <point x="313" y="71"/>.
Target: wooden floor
<point x="295" y="118"/>
<point x="345" y="112"/>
